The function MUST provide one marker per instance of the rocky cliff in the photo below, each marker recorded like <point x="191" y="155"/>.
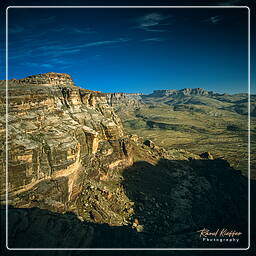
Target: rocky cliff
<point x="67" y="152"/>
<point x="47" y="79"/>
<point x="124" y="101"/>
<point x="57" y="136"/>
<point x="183" y="92"/>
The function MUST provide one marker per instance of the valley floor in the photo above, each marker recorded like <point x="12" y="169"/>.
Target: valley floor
<point x="204" y="131"/>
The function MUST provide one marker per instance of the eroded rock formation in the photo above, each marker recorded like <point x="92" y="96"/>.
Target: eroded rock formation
<point x="185" y="91"/>
<point x="67" y="152"/>
<point x="57" y="136"/>
<point x="122" y="102"/>
<point x="46" y="79"/>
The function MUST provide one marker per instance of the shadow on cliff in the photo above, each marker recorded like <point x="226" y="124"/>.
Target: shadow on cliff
<point x="172" y="201"/>
<point x="39" y="228"/>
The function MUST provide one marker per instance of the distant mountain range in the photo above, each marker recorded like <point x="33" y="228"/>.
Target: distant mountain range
<point x="198" y="96"/>
<point x="98" y="170"/>
<point x="183" y="92"/>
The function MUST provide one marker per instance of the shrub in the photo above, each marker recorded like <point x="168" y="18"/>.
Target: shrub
<point x="233" y="127"/>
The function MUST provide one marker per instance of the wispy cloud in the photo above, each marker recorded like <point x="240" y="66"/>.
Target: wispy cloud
<point x="56" y="49"/>
<point x="59" y="61"/>
<point x="83" y="31"/>
<point x="74" y="30"/>
<point x="98" y="43"/>
<point x="214" y="19"/>
<point x="55" y="53"/>
<point x="18" y="55"/>
<point x="51" y="63"/>
<point x="153" y="22"/>
<point x="35" y="52"/>
<point x="42" y="65"/>
<point x="153" y="39"/>
<point x="72" y="48"/>
<point x="46" y="65"/>
<point x="155" y="30"/>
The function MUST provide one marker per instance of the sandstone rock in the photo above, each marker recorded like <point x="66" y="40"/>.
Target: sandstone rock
<point x="139" y="228"/>
<point x="149" y="143"/>
<point x="68" y="153"/>
<point x="57" y="133"/>
<point x="185" y="91"/>
<point x="47" y="79"/>
<point x="123" y="103"/>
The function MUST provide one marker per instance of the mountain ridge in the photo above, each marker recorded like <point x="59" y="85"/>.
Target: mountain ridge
<point x="69" y="152"/>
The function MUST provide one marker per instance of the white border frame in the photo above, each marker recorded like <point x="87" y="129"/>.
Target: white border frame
<point x="131" y="249"/>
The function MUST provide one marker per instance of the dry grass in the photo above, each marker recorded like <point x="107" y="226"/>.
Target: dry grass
<point x="202" y="129"/>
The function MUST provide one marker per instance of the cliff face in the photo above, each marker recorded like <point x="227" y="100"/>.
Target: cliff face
<point x="57" y="136"/>
<point x="124" y="101"/>
<point x="67" y="152"/>
<point x="47" y="79"/>
<point x="183" y="92"/>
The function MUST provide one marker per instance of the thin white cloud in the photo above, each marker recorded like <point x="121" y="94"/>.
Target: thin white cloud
<point x="59" y="61"/>
<point x="98" y="43"/>
<point x="83" y="31"/>
<point x="214" y="19"/>
<point x="56" y="50"/>
<point x="155" y="30"/>
<point x="56" y="53"/>
<point x="46" y="65"/>
<point x="69" y="47"/>
<point x="52" y="62"/>
<point x="152" y="22"/>
<point x="74" y="30"/>
<point x="35" y="53"/>
<point x="14" y="56"/>
<point x="153" y="39"/>
<point x="42" y="65"/>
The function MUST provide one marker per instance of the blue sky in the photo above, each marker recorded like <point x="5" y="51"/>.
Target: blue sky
<point x="132" y="50"/>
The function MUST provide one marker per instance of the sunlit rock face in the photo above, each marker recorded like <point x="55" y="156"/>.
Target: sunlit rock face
<point x="122" y="102"/>
<point x="57" y="136"/>
<point x="68" y="154"/>
<point x="185" y="91"/>
<point x="47" y="79"/>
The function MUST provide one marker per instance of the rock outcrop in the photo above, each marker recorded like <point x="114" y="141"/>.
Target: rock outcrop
<point x="124" y="101"/>
<point x="183" y="92"/>
<point x="68" y="153"/>
<point x="46" y="79"/>
<point x="59" y="139"/>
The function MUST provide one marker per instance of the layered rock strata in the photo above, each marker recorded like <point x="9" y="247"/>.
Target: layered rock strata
<point x="67" y="152"/>
<point x="183" y="92"/>
<point x="46" y="79"/>
<point x="122" y="102"/>
<point x="56" y="137"/>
